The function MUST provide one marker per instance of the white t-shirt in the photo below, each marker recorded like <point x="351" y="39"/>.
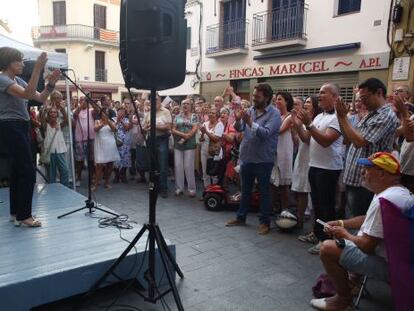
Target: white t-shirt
<point x="372" y="226"/>
<point x="331" y="157"/>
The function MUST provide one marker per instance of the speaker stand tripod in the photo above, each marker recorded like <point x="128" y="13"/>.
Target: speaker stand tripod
<point x="155" y="237"/>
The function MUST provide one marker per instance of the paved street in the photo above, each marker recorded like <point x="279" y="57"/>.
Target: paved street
<point x="225" y="268"/>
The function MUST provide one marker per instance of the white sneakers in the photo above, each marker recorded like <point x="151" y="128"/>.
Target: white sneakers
<point x="178" y="192"/>
<point x="191" y="193"/>
<point x="320" y="304"/>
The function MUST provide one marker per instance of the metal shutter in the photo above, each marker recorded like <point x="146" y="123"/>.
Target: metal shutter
<point x="309" y="85"/>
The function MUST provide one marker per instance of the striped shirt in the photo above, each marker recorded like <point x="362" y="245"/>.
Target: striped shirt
<point x="378" y="128"/>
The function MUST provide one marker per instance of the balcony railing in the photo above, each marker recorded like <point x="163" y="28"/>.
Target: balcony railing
<point x="281" y="24"/>
<point x="101" y="75"/>
<point x="75" y="32"/>
<point x="227" y="36"/>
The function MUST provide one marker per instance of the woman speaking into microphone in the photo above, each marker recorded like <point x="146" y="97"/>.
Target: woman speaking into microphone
<point x="14" y="129"/>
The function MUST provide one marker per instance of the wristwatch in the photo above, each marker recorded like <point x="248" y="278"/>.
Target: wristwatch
<point x="308" y="127"/>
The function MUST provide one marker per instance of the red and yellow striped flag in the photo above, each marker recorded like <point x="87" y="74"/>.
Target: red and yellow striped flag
<point x="107" y="35"/>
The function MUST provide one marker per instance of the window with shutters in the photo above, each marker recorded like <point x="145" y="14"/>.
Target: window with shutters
<point x="99" y="20"/>
<point x="100" y="71"/>
<point x="59" y="13"/>
<point x="99" y="16"/>
<point x="234" y="24"/>
<point x="287" y="19"/>
<point x="348" y="6"/>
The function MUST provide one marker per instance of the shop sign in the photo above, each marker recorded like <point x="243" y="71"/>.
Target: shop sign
<point x="401" y="68"/>
<point x="317" y="66"/>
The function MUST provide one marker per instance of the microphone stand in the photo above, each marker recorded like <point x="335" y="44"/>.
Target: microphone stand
<point x="90" y="205"/>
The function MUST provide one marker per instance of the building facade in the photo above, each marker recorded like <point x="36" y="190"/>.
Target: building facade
<point x="402" y="44"/>
<point x="293" y="45"/>
<point x="88" y="31"/>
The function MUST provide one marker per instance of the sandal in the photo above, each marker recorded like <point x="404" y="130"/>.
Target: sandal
<point x="308" y="238"/>
<point x="27" y="223"/>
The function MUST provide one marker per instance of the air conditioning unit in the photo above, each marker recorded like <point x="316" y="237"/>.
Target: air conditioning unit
<point x="86" y="78"/>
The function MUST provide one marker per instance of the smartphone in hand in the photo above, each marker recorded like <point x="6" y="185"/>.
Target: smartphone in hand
<point x="321" y="222"/>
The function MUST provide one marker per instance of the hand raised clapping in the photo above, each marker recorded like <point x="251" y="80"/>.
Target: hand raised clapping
<point x="295" y="118"/>
<point x="305" y="117"/>
<point x="341" y="108"/>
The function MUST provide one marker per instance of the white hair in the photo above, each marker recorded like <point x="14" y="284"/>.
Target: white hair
<point x="333" y="88"/>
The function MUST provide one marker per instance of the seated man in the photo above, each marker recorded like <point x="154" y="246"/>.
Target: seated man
<point x="363" y="253"/>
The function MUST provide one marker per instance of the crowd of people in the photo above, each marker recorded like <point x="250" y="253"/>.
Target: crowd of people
<point x="344" y="156"/>
<point x="188" y="134"/>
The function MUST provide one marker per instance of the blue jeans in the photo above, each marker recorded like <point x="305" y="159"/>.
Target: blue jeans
<point x="248" y="172"/>
<point x="58" y="162"/>
<point x="162" y="155"/>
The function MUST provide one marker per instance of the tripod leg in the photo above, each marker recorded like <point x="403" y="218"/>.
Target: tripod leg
<point x="120" y="258"/>
<point x="41" y="174"/>
<point x="72" y="212"/>
<point x="171" y="281"/>
<point x="168" y="252"/>
<point x="106" y="211"/>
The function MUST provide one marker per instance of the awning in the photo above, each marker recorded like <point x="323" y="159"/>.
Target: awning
<point x="55" y="60"/>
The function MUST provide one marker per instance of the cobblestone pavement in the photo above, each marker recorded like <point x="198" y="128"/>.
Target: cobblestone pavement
<point x="225" y="268"/>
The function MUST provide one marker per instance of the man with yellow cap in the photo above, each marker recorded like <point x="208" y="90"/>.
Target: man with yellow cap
<point x="363" y="253"/>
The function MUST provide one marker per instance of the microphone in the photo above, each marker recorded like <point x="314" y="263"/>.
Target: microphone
<point x="50" y="69"/>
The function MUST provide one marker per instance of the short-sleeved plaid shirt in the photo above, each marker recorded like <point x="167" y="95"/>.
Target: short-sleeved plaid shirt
<point x="378" y="127"/>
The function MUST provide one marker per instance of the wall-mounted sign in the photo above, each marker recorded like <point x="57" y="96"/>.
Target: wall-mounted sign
<point x="401" y="68"/>
<point x="317" y="66"/>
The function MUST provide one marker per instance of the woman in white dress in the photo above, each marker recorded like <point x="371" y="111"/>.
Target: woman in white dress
<point x="300" y="180"/>
<point x="105" y="149"/>
<point x="212" y="130"/>
<point x="281" y="177"/>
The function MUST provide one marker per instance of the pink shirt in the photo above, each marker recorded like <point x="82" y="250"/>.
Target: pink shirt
<point x="81" y="125"/>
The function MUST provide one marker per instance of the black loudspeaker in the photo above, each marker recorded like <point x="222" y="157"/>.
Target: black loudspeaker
<point x="153" y="43"/>
<point x="27" y="73"/>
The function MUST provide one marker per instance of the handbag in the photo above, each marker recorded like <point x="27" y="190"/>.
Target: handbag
<point x="118" y="140"/>
<point x="45" y="155"/>
<point x="213" y="167"/>
<point x="214" y="148"/>
<point x="324" y="287"/>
